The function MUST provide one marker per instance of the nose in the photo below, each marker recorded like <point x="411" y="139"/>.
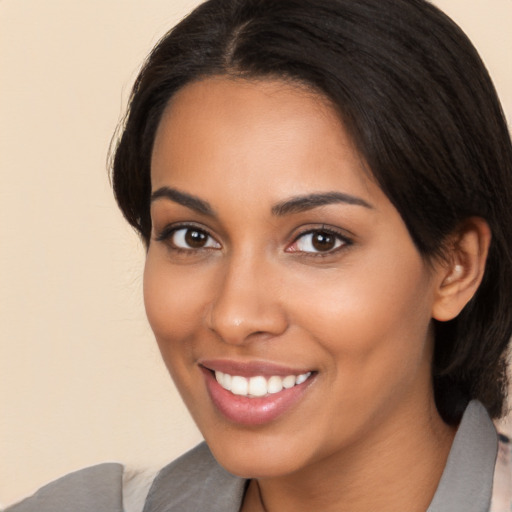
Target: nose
<point x="247" y="303"/>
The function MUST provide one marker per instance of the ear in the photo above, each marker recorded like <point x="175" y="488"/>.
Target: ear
<point x="460" y="275"/>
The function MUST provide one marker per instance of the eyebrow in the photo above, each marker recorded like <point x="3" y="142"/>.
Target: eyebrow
<point x="293" y="205"/>
<point x="307" y="202"/>
<point x="187" y="200"/>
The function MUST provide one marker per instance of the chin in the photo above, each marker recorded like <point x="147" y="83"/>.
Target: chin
<point x="257" y="454"/>
<point x="255" y="465"/>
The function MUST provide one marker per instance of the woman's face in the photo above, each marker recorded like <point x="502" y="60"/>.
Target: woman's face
<point x="278" y="266"/>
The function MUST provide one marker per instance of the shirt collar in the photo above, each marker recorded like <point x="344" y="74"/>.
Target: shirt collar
<point x="196" y="481"/>
<point x="466" y="483"/>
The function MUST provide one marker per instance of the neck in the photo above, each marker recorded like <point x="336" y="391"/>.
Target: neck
<point x="396" y="468"/>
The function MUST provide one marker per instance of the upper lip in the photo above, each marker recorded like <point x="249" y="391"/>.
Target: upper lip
<point x="251" y="368"/>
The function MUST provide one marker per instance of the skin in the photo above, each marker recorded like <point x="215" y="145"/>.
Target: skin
<point x="366" y="434"/>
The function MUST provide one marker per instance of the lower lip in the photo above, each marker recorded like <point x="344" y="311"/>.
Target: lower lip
<point x="253" y="411"/>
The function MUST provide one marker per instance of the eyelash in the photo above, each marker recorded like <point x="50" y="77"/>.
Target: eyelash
<point x="169" y="231"/>
<point x="345" y="242"/>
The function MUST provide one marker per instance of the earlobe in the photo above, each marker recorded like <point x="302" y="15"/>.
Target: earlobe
<point x="459" y="279"/>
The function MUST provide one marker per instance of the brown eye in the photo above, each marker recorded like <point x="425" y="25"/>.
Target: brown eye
<point x="319" y="241"/>
<point x="195" y="239"/>
<point x="190" y="238"/>
<point x="323" y="241"/>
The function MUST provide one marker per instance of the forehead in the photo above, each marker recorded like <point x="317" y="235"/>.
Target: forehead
<point x="239" y="133"/>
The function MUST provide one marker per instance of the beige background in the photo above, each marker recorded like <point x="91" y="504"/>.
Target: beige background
<point x="80" y="377"/>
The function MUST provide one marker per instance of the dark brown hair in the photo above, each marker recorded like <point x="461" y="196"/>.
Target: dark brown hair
<point x="421" y="109"/>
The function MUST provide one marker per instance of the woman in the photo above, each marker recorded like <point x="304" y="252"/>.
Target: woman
<point x="323" y="188"/>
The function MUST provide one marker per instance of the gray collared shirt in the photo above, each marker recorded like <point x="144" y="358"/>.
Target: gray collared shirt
<point x="197" y="483"/>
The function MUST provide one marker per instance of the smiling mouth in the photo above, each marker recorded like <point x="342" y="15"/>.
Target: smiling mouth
<point x="258" y="386"/>
<point x="254" y="394"/>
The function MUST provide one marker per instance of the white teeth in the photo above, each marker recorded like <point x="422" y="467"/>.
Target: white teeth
<point x="274" y="384"/>
<point x="258" y="386"/>
<point x="289" y="381"/>
<point x="226" y="381"/>
<point x="239" y="385"/>
<point x="301" y="378"/>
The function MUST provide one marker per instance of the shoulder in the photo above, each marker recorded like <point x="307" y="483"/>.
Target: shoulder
<point x="195" y="481"/>
<point x="97" y="488"/>
<point x="502" y="486"/>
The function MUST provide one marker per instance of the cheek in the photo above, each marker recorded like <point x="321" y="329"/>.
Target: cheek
<point x="374" y="316"/>
<point x="174" y="300"/>
<point x="374" y="335"/>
